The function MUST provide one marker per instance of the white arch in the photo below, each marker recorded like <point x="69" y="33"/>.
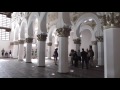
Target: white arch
<point x="31" y="19"/>
<point x="23" y="29"/>
<point x="63" y="19"/>
<point x="52" y="29"/>
<point x="43" y="22"/>
<point x="87" y="16"/>
<point x="16" y="32"/>
<point x="87" y="27"/>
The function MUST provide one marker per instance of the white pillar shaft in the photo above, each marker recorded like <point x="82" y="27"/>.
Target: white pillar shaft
<point x="77" y="47"/>
<point x="63" y="66"/>
<point x="41" y="53"/>
<point x="28" y="52"/>
<point x="112" y="53"/>
<point x="100" y="53"/>
<point x="21" y="52"/>
<point x="95" y="51"/>
<point x="49" y="52"/>
<point x="15" y="51"/>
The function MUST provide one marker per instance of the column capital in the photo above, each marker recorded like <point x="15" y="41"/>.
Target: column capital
<point x="49" y="43"/>
<point x="21" y="41"/>
<point x="41" y="37"/>
<point x="56" y="45"/>
<point x="15" y="42"/>
<point x="63" y="32"/>
<point x="29" y="40"/>
<point x="112" y="20"/>
<point x="77" y="41"/>
<point x="94" y="42"/>
<point x="99" y="38"/>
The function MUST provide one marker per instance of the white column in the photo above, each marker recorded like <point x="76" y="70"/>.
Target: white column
<point x="112" y="53"/>
<point x="63" y="65"/>
<point x="21" y="50"/>
<point x="29" y="50"/>
<point x="49" y="49"/>
<point x="100" y="51"/>
<point x="41" y="49"/>
<point x="94" y="47"/>
<point x="15" y="50"/>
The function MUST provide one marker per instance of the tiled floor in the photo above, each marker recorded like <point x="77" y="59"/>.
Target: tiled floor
<point x="11" y="68"/>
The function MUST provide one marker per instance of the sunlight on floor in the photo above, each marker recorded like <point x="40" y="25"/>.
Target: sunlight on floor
<point x="1" y="60"/>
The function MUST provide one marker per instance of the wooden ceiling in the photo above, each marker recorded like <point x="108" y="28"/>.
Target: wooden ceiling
<point x="8" y="14"/>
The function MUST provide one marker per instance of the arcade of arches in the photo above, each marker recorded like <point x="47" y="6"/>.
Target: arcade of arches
<point x="35" y="35"/>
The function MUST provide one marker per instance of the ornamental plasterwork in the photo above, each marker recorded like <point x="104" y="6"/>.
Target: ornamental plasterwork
<point x="75" y="15"/>
<point x="52" y="16"/>
<point x="92" y="24"/>
<point x="18" y="16"/>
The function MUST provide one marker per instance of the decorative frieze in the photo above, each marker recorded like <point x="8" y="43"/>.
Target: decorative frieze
<point x="111" y="20"/>
<point x="94" y="42"/>
<point x="99" y="38"/>
<point x="49" y="43"/>
<point x="21" y="41"/>
<point x="77" y="41"/>
<point x="41" y="37"/>
<point x="63" y="32"/>
<point x="29" y="40"/>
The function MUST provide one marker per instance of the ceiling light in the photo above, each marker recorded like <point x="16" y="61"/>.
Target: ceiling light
<point x="85" y="21"/>
<point x="53" y="74"/>
<point x="71" y="70"/>
<point x="90" y="19"/>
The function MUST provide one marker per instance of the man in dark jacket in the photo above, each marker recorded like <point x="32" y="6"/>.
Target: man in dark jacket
<point x="84" y="58"/>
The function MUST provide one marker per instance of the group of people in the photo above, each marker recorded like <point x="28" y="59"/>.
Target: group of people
<point x="84" y="57"/>
<point x="5" y="53"/>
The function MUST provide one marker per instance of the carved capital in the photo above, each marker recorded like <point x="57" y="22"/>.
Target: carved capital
<point x="11" y="43"/>
<point x="77" y="41"/>
<point x="111" y="20"/>
<point x="63" y="32"/>
<point x="99" y="38"/>
<point x="29" y="40"/>
<point x="49" y="43"/>
<point x="56" y="45"/>
<point x="41" y="37"/>
<point x="21" y="41"/>
<point x="94" y="42"/>
<point x="15" y="42"/>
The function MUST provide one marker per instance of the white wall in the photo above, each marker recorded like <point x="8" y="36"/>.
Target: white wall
<point x="86" y="39"/>
<point x="5" y="45"/>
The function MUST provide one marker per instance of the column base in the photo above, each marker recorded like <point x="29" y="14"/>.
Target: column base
<point x="28" y="62"/>
<point x="41" y="66"/>
<point x="14" y="58"/>
<point x="49" y="58"/>
<point x="63" y="72"/>
<point x="20" y="59"/>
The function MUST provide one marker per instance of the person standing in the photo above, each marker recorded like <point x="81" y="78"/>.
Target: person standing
<point x="84" y="58"/>
<point x="10" y="53"/>
<point x="91" y="53"/>
<point x="3" y="51"/>
<point x="55" y="55"/>
<point x="79" y="55"/>
<point x="75" y="57"/>
<point x="71" y="54"/>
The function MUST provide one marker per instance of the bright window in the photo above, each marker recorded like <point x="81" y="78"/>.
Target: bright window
<point x="4" y="21"/>
<point x="4" y="35"/>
